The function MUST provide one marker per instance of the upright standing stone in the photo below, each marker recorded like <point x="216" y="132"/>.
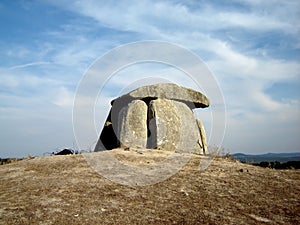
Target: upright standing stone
<point x="133" y="130"/>
<point x="174" y="126"/>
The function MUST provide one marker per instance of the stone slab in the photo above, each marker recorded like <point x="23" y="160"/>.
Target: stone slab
<point x="192" y="98"/>
<point x="174" y="126"/>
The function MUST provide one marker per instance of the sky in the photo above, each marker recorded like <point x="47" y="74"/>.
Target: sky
<point x="252" y="48"/>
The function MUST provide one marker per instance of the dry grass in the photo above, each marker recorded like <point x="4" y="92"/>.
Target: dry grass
<point x="65" y="190"/>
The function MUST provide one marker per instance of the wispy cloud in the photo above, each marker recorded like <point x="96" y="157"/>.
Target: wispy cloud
<point x="28" y="65"/>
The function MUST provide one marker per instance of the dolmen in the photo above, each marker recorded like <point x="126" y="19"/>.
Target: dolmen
<point x="157" y="116"/>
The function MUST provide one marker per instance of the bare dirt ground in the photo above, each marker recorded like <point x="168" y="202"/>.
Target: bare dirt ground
<point x="66" y="190"/>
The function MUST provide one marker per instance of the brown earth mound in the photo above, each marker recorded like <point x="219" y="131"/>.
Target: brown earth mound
<point x="66" y="190"/>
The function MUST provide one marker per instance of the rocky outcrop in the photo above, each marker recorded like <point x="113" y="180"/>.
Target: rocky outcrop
<point x="156" y="116"/>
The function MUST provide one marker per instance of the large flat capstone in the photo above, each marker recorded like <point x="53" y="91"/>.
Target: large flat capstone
<point x="192" y="98"/>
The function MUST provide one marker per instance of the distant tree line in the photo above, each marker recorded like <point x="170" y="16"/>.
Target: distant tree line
<point x="278" y="165"/>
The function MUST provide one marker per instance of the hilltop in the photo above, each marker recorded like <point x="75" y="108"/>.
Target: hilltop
<point x="66" y="190"/>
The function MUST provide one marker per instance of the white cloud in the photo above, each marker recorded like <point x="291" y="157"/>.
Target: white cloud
<point x="257" y="132"/>
<point x="64" y="98"/>
<point x="161" y="17"/>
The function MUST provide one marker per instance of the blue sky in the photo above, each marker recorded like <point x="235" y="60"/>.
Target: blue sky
<point x="252" y="47"/>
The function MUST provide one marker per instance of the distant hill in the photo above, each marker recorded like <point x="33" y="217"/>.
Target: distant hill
<point x="268" y="157"/>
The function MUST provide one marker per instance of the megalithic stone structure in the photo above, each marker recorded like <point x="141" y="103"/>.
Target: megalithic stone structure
<point x="156" y="116"/>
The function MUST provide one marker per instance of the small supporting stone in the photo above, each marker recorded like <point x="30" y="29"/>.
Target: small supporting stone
<point x="202" y="136"/>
